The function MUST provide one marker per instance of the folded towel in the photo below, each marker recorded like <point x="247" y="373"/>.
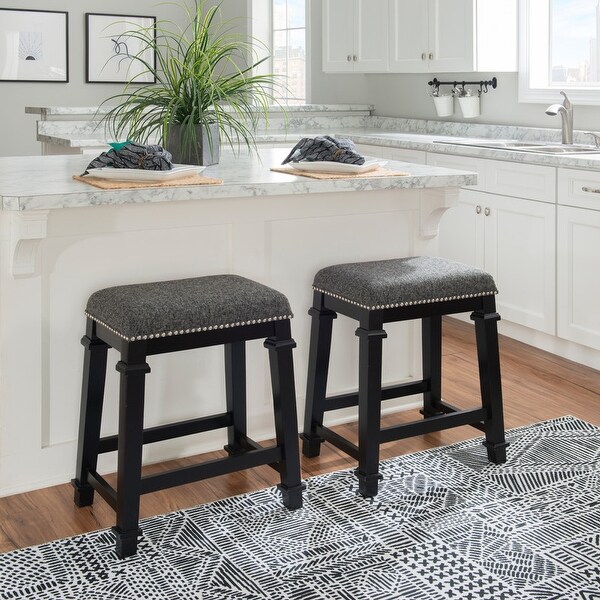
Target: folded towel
<point x="134" y="156"/>
<point x="325" y="148"/>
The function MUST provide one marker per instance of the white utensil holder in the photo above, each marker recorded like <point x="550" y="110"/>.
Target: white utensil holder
<point x="444" y="105"/>
<point x="469" y="106"/>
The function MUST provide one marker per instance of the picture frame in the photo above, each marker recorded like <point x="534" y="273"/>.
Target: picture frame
<point x="107" y="48"/>
<point x="34" y="45"/>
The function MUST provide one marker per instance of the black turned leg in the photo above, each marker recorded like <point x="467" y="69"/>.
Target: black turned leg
<point x="488" y="355"/>
<point x="318" y="368"/>
<point x="90" y="416"/>
<point x="235" y="390"/>
<point x="431" y="328"/>
<point x="369" y="409"/>
<point x="133" y="369"/>
<point x="286" y="422"/>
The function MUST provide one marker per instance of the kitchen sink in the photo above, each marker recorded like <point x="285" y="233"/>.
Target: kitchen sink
<point x="538" y="147"/>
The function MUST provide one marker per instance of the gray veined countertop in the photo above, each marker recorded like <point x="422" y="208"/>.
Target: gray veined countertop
<point x="45" y="182"/>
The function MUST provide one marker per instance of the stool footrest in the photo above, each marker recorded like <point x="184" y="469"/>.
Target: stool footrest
<point x="211" y="468"/>
<point x="247" y="444"/>
<point x="104" y="488"/>
<point x="167" y="432"/>
<point x="387" y="393"/>
<point x="445" y="407"/>
<point x="338" y="441"/>
<point x="435" y="423"/>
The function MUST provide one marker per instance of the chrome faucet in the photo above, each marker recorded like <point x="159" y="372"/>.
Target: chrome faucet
<point x="565" y="110"/>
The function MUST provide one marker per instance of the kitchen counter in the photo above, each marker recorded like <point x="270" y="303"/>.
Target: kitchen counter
<point x="61" y="240"/>
<point x="45" y="183"/>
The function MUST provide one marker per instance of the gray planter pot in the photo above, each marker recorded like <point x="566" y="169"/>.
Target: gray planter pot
<point x="205" y="152"/>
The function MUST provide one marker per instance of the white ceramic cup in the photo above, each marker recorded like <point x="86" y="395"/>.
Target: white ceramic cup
<point x="469" y="105"/>
<point x="444" y="105"/>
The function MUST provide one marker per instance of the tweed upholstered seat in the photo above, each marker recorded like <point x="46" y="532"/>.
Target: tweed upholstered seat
<point x="403" y="282"/>
<point x="165" y="308"/>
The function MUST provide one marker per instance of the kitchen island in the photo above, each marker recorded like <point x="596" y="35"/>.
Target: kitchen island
<point x="63" y="239"/>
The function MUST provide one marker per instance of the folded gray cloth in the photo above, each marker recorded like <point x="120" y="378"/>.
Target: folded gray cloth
<point x="325" y="148"/>
<point x="134" y="156"/>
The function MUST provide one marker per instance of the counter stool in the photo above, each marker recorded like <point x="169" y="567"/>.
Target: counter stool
<point x="155" y="318"/>
<point x="374" y="293"/>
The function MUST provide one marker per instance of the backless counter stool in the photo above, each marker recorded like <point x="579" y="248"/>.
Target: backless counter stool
<point x="374" y="293"/>
<point x="155" y="318"/>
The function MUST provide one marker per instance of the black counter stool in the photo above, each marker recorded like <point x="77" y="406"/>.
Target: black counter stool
<point x="155" y="318"/>
<point x="386" y="291"/>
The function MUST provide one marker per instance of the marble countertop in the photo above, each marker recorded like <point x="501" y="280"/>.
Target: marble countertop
<point x="45" y="182"/>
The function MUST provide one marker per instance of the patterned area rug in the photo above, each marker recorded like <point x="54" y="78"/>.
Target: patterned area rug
<point x="446" y="524"/>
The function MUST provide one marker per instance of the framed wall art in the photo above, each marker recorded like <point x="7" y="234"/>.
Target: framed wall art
<point x="109" y="49"/>
<point x="34" y="45"/>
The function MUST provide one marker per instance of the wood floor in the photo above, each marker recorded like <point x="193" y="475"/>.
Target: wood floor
<point x="536" y="386"/>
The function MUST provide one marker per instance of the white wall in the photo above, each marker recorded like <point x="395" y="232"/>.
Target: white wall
<point x="17" y="130"/>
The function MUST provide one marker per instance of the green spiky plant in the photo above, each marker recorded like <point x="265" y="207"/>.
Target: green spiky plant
<point x="204" y="76"/>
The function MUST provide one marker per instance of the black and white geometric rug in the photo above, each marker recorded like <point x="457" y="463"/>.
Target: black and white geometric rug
<point x="446" y="524"/>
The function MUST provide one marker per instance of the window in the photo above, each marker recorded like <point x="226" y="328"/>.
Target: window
<point x="559" y="50"/>
<point x="281" y="26"/>
<point x="289" y="48"/>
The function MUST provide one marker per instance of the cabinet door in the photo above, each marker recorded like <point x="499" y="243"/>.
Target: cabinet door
<point x="409" y="36"/>
<point x="462" y="230"/>
<point x="520" y="254"/>
<point x="338" y="35"/>
<point x="578" y="280"/>
<point x="451" y="35"/>
<point x="371" y="50"/>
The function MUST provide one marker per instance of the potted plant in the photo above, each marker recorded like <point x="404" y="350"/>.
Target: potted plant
<point x="206" y="89"/>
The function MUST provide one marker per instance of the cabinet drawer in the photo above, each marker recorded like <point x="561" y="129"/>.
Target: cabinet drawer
<point x="579" y="188"/>
<point x="461" y="163"/>
<point x="533" y="182"/>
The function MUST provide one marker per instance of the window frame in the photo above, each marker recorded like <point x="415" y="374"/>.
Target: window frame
<point x="262" y="29"/>
<point x="529" y="93"/>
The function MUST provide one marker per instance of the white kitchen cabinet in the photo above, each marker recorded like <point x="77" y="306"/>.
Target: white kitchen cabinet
<point x="355" y="36"/>
<point x="510" y="237"/>
<point x="447" y="36"/>
<point x="578" y="257"/>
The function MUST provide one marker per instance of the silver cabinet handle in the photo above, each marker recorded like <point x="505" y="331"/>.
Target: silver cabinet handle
<point x="431" y="56"/>
<point x="355" y="58"/>
<point x="349" y="57"/>
<point x="423" y="56"/>
<point x="590" y="190"/>
<point x="478" y="209"/>
<point x="487" y="211"/>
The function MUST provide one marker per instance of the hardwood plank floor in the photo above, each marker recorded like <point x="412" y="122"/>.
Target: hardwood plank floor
<point x="537" y="386"/>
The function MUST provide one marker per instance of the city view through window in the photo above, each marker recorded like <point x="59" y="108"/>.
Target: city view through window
<point x="575" y="42"/>
<point x="289" y="49"/>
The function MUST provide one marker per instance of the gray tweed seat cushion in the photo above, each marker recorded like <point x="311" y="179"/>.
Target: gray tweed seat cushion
<point x="403" y="282"/>
<point x="165" y="308"/>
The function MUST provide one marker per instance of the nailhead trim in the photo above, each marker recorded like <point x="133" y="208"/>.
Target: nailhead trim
<point x="399" y="304"/>
<point x="151" y="336"/>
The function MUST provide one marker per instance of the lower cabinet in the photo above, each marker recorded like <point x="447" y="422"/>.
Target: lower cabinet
<point x="514" y="240"/>
<point x="578" y="268"/>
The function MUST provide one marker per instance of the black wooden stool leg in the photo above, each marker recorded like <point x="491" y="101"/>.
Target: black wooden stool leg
<point x="90" y="416"/>
<point x="318" y="369"/>
<point x="369" y="408"/>
<point x="286" y="422"/>
<point x="488" y="355"/>
<point x="235" y="390"/>
<point x="133" y="369"/>
<point x="431" y="328"/>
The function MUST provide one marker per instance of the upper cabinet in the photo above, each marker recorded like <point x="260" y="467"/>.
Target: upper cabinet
<point x="445" y="36"/>
<point x="355" y="36"/>
<point x="419" y="36"/>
